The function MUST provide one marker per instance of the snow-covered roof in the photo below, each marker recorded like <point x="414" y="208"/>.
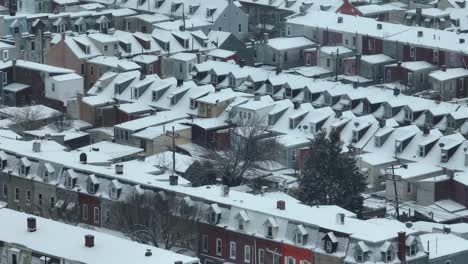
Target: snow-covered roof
<point x="284" y="43"/>
<point x="450" y="73"/>
<point x="49" y="236"/>
<point x="443" y="245"/>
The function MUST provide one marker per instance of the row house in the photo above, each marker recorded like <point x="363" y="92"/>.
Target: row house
<point x="373" y="37"/>
<point x="26" y="234"/>
<point x="205" y="16"/>
<point x="257" y="229"/>
<point x="413" y="74"/>
<point x="284" y="53"/>
<point x="428" y="17"/>
<point x="450" y="83"/>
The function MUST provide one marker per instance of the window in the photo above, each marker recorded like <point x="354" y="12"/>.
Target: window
<point x="299" y="239"/>
<point x="328" y="246"/>
<point x="23" y="170"/>
<point x="387" y="256"/>
<point x="232" y="81"/>
<point x="359" y="255"/>
<point x="328" y="62"/>
<point x="270" y="231"/>
<point x="240" y="28"/>
<point x="411" y="52"/>
<point x="85" y="212"/>
<point x="232" y="250"/>
<point x="370" y="44"/>
<point x="288" y="30"/>
<point x="452" y="59"/>
<point x="97" y="214"/>
<point x="106" y="47"/>
<point x="205" y="243"/>
<point x="410" y="78"/>
<point x="435" y="56"/>
<point x="241" y="224"/>
<point x="154" y="96"/>
<point x="53" y="87"/>
<point x="422" y="151"/>
<point x="290" y="260"/>
<point x="91" y="187"/>
<point x="308" y="58"/>
<point x="408" y="187"/>
<point x="150" y="69"/>
<point x="6" y="55"/>
<point x="113" y="193"/>
<point x="28" y="196"/>
<point x="5" y="190"/>
<point x="4" y="78"/>
<point x="116" y="46"/>
<point x="52" y="202"/>
<point x="276" y="258"/>
<point x="408" y="115"/>
<point x="219" y="247"/>
<point x="285" y="56"/>
<point x="214" y="78"/>
<point x="70" y="182"/>
<point x="107" y="216"/>
<point x="247" y="254"/>
<point x="82" y="69"/>
<point x="39" y="199"/>
<point x="293" y="155"/>
<point x="92" y="70"/>
<point x="17" y="194"/>
<point x="261" y="256"/>
<point x="33" y="45"/>
<point x="274" y="57"/>
<point x="412" y="249"/>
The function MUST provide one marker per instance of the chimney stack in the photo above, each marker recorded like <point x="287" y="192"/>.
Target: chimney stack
<point x="281" y="204"/>
<point x="444" y="68"/>
<point x="180" y="82"/>
<point x="173" y="180"/>
<point x="31" y="224"/>
<point x="224" y="190"/>
<point x="119" y="168"/>
<point x="402" y="246"/>
<point x="396" y="92"/>
<point x="264" y="190"/>
<point x="297" y="105"/>
<point x="36" y="146"/>
<point x="340" y="218"/>
<point x="89" y="241"/>
<point x="141" y="156"/>
<point x="242" y="63"/>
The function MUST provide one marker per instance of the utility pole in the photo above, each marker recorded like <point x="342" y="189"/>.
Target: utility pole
<point x="336" y="64"/>
<point x="397" y="209"/>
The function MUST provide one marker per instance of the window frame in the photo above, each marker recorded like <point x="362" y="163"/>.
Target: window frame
<point x="219" y="247"/>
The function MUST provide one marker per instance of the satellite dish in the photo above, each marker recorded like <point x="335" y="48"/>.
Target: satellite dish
<point x="356" y="124"/>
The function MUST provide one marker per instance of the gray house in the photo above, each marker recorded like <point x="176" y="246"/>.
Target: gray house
<point x="282" y="52"/>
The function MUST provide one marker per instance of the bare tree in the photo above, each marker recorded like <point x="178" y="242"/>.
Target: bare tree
<point x="162" y="221"/>
<point x="251" y="142"/>
<point x="27" y="118"/>
<point x="61" y="121"/>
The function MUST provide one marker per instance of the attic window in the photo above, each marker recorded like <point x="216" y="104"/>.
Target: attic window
<point x="70" y="179"/>
<point x="408" y="115"/>
<point x="158" y="3"/>
<point x="192" y="9"/>
<point x="115" y="190"/>
<point x="25" y="166"/>
<point x="387" y="253"/>
<point x="328" y="246"/>
<point x="3" y="160"/>
<point x="210" y="12"/>
<point x="301" y="235"/>
<point x="92" y="184"/>
<point x="232" y="81"/>
<point x="213" y="78"/>
<point x="412" y="248"/>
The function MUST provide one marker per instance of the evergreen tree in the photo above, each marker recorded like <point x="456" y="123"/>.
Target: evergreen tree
<point x="330" y="176"/>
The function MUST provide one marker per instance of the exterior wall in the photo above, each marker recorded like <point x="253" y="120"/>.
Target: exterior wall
<point x="230" y="20"/>
<point x="23" y="184"/>
<point x="68" y="196"/>
<point x="91" y="202"/>
<point x="162" y="143"/>
<point x="177" y="68"/>
<point x="284" y="59"/>
<point x="63" y="90"/>
<point x="425" y="193"/>
<point x="326" y="259"/>
<point x="299" y="254"/>
<point x="216" y="109"/>
<point x="61" y="55"/>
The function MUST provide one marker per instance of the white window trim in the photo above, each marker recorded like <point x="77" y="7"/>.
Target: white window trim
<point x="232" y="250"/>
<point x="247" y="254"/>
<point x="219" y="245"/>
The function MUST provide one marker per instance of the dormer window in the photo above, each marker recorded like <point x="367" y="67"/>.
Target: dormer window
<point x="215" y="214"/>
<point x="70" y="178"/>
<point x="92" y="184"/>
<point x="301" y="235"/>
<point x="408" y="115"/>
<point x="387" y="253"/>
<point x="25" y="165"/>
<point x="330" y="243"/>
<point x="411" y="246"/>
<point x="213" y="78"/>
<point x="271" y="227"/>
<point x="388" y="111"/>
<point x="115" y="189"/>
<point x="243" y="218"/>
<point x="444" y="157"/>
<point x="48" y="172"/>
<point x="362" y="252"/>
<point x="232" y="81"/>
<point x="3" y="160"/>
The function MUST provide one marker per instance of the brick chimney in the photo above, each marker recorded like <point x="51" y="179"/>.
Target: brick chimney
<point x="402" y="246"/>
<point x="281" y="204"/>
<point x="31" y="224"/>
<point x="89" y="241"/>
